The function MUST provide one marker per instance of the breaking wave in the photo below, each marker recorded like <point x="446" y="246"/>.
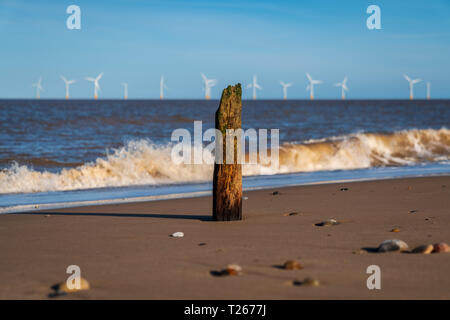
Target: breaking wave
<point x="144" y="163"/>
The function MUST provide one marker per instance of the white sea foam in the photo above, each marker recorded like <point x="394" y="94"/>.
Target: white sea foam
<point x="144" y="163"/>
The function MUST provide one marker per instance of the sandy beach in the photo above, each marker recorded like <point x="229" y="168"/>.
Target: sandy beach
<point x="126" y="252"/>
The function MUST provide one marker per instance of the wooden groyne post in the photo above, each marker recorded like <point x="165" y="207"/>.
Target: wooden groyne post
<point x="227" y="179"/>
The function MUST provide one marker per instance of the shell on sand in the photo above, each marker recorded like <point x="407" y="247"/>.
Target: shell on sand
<point x="62" y="287"/>
<point x="292" y="265"/>
<point x="441" y="247"/>
<point x="424" y="249"/>
<point x="393" y="245"/>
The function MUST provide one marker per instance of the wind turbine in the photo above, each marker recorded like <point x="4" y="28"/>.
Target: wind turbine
<point x="428" y="90"/>
<point x="255" y="86"/>
<point x="96" y="85"/>
<point x="209" y="83"/>
<point x="162" y="86"/>
<point x="38" y="88"/>
<point x="125" y="90"/>
<point x="411" y="85"/>
<point x="343" y="86"/>
<point x="285" y="86"/>
<point x="310" y="86"/>
<point x="68" y="83"/>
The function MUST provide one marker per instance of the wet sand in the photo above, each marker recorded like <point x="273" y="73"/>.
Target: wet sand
<point x="125" y="250"/>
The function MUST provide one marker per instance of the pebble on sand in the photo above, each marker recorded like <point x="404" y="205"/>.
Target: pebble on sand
<point x="327" y="223"/>
<point x="395" y="230"/>
<point x="424" y="249"/>
<point x="233" y="270"/>
<point x="230" y="270"/>
<point x="290" y="214"/>
<point x="441" y="247"/>
<point x="292" y="265"/>
<point x="177" y="235"/>
<point x="393" y="245"/>
<point x="311" y="282"/>
<point x="62" y="288"/>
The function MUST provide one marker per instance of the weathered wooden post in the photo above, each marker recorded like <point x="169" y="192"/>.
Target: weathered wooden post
<point x="227" y="180"/>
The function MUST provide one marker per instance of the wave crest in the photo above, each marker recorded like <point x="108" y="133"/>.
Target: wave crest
<point x="144" y="163"/>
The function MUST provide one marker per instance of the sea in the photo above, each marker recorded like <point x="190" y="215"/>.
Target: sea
<point x="63" y="153"/>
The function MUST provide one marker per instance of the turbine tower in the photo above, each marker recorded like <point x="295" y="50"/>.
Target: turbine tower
<point x="285" y="86"/>
<point x="310" y="86"/>
<point x="411" y="85"/>
<point x="255" y="86"/>
<point x="209" y="83"/>
<point x="96" y="85"/>
<point x="68" y="83"/>
<point x="125" y="90"/>
<point x="343" y="86"/>
<point x="38" y="88"/>
<point x="428" y="90"/>
<point x="162" y="86"/>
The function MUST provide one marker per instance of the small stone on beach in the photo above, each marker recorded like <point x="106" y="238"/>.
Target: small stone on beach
<point x="424" y="249"/>
<point x="395" y="230"/>
<point x="275" y="193"/>
<point x="290" y="214"/>
<point x="327" y="223"/>
<point x="177" y="235"/>
<point x="230" y="270"/>
<point x="234" y="269"/>
<point x="310" y="282"/>
<point x="62" y="288"/>
<point x="441" y="247"/>
<point x="292" y="265"/>
<point x="392" y="245"/>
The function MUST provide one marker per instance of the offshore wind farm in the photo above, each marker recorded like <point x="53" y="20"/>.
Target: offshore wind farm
<point x="208" y="84"/>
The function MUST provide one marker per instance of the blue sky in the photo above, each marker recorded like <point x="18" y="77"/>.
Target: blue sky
<point x="138" y="41"/>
